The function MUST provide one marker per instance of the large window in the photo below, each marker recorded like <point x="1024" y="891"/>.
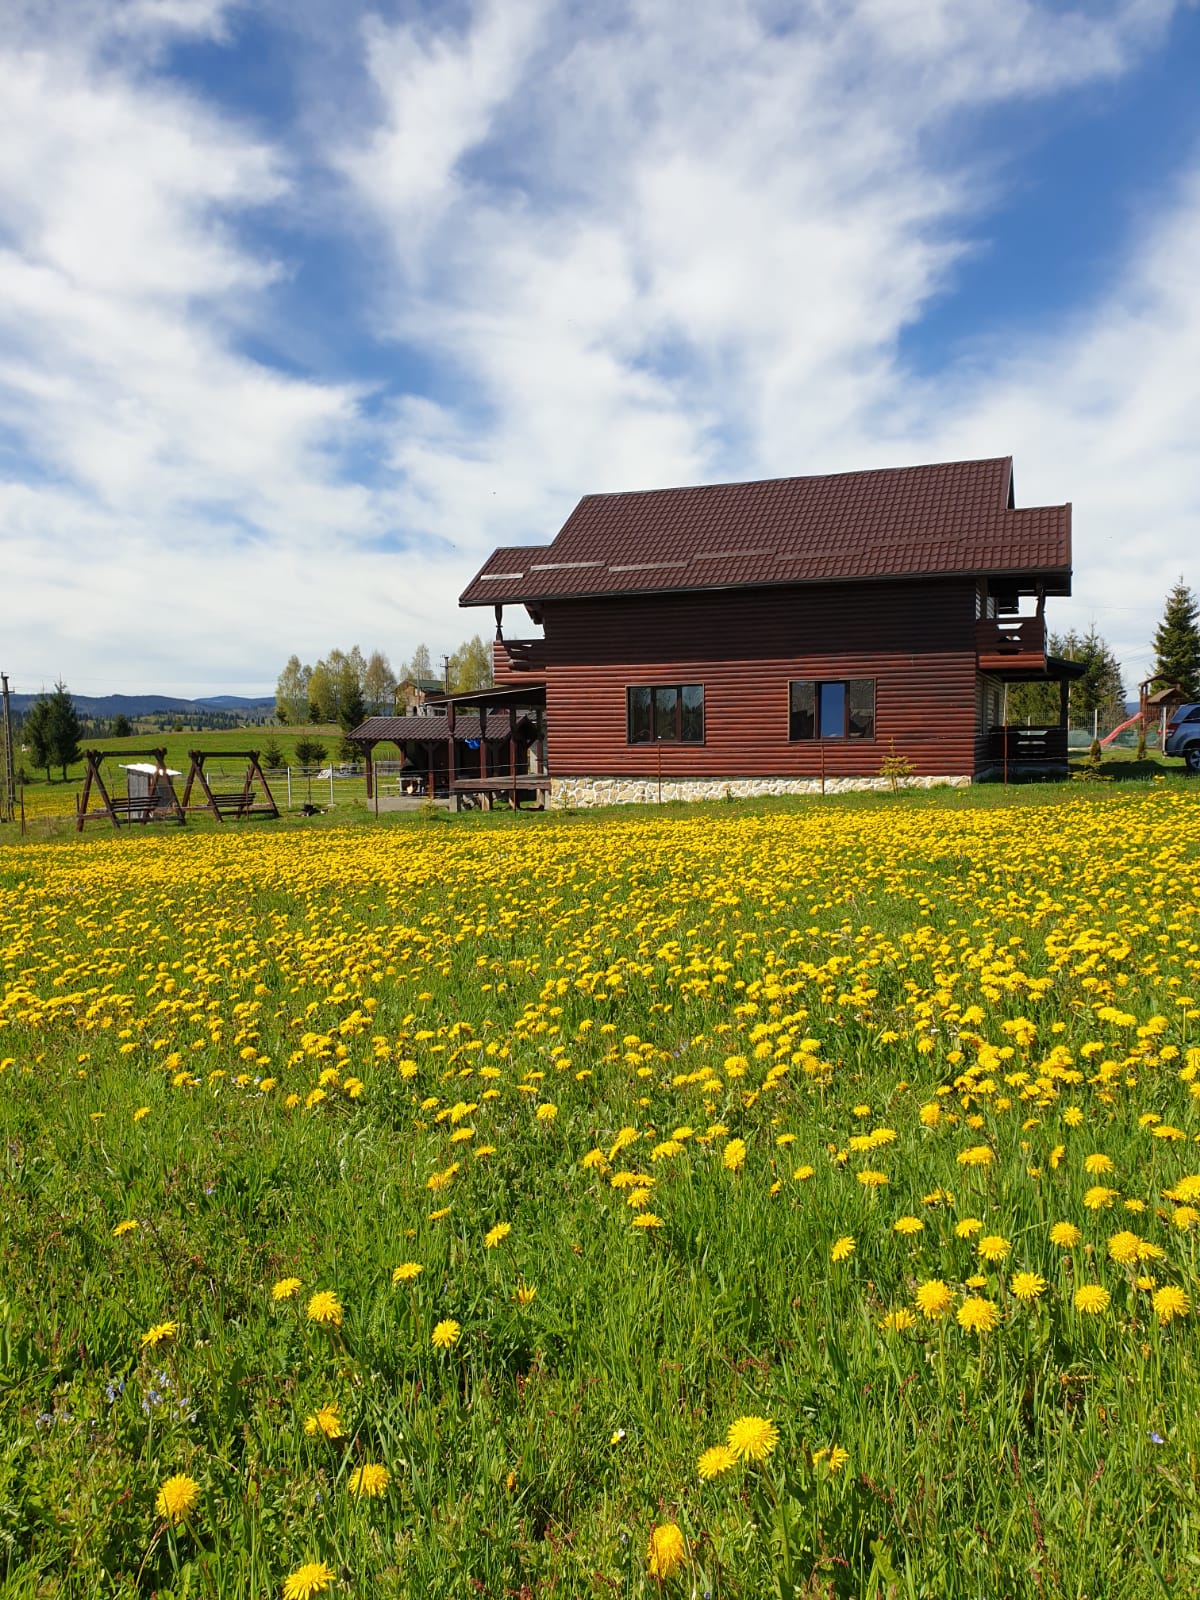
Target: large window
<point x="665" y="713"/>
<point x="842" y="709"/>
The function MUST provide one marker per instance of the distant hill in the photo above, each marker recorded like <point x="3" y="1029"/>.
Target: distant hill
<point x="149" y="705"/>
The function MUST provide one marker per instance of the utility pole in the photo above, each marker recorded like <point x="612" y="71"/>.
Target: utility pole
<point x="446" y="673"/>
<point x="8" y="779"/>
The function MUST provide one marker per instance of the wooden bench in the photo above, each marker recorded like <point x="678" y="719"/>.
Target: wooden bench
<point x="486" y="791"/>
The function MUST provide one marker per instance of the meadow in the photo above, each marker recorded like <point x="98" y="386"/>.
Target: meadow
<point x="796" y="1200"/>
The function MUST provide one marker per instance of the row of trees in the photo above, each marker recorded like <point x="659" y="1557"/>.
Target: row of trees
<point x="346" y="686"/>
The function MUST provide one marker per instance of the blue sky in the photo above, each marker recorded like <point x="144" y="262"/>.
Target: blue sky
<point x="304" y="308"/>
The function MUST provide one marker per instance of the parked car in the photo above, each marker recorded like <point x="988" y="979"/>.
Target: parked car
<point x="1183" y="736"/>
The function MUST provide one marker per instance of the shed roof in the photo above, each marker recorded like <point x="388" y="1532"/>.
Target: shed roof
<point x="432" y="729"/>
<point x="948" y="519"/>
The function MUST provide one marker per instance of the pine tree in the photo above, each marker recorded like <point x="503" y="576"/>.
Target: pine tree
<point x="63" y="728"/>
<point x="35" y="733"/>
<point x="1177" y="642"/>
<point x="1100" y="690"/>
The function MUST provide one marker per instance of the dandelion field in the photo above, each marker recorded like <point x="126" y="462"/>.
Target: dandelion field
<point x="795" y="1202"/>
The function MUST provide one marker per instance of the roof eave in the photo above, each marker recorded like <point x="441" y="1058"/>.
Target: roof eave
<point x="1032" y="575"/>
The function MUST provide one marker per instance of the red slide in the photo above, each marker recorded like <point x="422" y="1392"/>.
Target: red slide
<point x="1120" y="728"/>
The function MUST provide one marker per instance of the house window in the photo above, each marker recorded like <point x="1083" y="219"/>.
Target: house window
<point x="665" y="713"/>
<point x="843" y="709"/>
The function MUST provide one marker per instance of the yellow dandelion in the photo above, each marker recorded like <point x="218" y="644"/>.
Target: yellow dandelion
<point x="326" y="1422"/>
<point x="733" y="1157"/>
<point x="752" y="1438"/>
<point x="1091" y="1299"/>
<point x="803" y="1174"/>
<point x="1098" y="1197"/>
<point x="1124" y="1248"/>
<point x="977" y="1315"/>
<point x="843" y="1248"/>
<point x="837" y="1458"/>
<point x="967" y="1228"/>
<point x="1170" y="1301"/>
<point x="898" y="1320"/>
<point x="647" y="1219"/>
<point x="1027" y="1286"/>
<point x="1096" y="1165"/>
<point x="1065" y="1234"/>
<point x="526" y="1294"/>
<point x="177" y="1497"/>
<point x="496" y="1235"/>
<point x="717" y="1459"/>
<point x="446" y="1334"/>
<point x="370" y="1480"/>
<point x="993" y="1247"/>
<point x="326" y="1308"/>
<point x="933" y="1299"/>
<point x="314" y="1577"/>
<point x="122" y="1228"/>
<point x="160" y="1333"/>
<point x="286" y="1288"/>
<point x="873" y="1180"/>
<point x="407" y="1272"/>
<point x="979" y="1155"/>
<point x="908" y="1225"/>
<point x="667" y="1551"/>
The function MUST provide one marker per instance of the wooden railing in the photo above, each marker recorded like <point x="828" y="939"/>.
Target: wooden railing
<point x="517" y="658"/>
<point x="1010" y="636"/>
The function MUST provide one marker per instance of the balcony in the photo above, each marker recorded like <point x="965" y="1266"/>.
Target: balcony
<point x="516" y="661"/>
<point x="1008" y="642"/>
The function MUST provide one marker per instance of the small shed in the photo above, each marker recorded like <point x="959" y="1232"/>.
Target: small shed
<point x="148" y="789"/>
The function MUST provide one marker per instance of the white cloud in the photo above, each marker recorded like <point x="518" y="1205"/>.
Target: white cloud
<point x="678" y="245"/>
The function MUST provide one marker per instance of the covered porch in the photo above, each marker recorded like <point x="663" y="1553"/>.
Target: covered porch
<point x="468" y="749"/>
<point x="1022" y="750"/>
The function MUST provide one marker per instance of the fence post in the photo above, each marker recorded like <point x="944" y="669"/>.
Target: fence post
<point x="289" y="772"/>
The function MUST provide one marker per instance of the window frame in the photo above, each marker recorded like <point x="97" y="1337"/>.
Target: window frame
<point x="819" y="737"/>
<point x="652" y="691"/>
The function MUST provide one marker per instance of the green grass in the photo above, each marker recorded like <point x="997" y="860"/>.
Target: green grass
<point x="749" y="971"/>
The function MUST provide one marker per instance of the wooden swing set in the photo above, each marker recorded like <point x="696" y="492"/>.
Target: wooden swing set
<point x="151" y="793"/>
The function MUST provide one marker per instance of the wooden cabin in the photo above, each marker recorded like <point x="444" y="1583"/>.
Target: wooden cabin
<point x="788" y="635"/>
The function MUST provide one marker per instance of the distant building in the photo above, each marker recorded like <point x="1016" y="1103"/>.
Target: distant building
<point x="414" y="694"/>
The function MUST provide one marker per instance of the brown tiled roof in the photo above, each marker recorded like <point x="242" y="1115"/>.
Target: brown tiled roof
<point x="433" y="728"/>
<point x="948" y="519"/>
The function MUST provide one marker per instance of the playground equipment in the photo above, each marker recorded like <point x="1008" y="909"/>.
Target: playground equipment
<point x="243" y="802"/>
<point x="150" y="789"/>
<point x="1154" y="707"/>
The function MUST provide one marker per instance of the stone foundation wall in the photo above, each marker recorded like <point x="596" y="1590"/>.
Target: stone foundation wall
<point x="645" y="791"/>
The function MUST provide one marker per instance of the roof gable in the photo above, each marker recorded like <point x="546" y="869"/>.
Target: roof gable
<point x="951" y="518"/>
